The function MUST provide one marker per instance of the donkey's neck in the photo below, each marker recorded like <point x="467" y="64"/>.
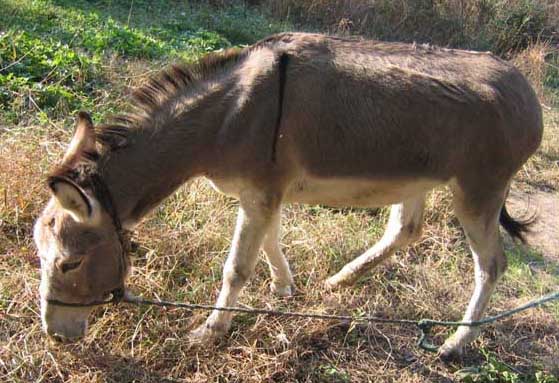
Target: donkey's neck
<point x="178" y="143"/>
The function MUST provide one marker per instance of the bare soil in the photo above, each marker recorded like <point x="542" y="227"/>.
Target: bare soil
<point x="544" y="234"/>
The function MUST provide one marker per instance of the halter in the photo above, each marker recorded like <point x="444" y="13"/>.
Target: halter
<point x="105" y="198"/>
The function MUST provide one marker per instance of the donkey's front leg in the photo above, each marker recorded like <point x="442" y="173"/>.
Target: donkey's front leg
<point x="255" y="215"/>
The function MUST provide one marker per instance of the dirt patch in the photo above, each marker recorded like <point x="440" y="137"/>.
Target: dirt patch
<point x="545" y="231"/>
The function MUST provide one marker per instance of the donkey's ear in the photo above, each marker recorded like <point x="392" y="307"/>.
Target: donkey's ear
<point x="72" y="198"/>
<point x="83" y="140"/>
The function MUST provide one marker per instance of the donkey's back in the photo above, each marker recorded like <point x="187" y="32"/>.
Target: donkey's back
<point x="365" y="109"/>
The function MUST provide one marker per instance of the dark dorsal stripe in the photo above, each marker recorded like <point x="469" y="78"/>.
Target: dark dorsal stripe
<point x="282" y="69"/>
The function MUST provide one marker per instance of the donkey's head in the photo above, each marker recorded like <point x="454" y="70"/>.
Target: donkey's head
<point x="79" y="240"/>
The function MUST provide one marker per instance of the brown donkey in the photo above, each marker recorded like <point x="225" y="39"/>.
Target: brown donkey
<point x="294" y="118"/>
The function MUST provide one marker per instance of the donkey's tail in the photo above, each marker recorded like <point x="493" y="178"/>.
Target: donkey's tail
<point x="516" y="228"/>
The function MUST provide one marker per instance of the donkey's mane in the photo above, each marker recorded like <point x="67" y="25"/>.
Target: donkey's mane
<point x="163" y="87"/>
<point x="147" y="100"/>
<point x="168" y="84"/>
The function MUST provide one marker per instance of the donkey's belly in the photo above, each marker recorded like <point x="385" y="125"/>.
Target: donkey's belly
<point x="339" y="192"/>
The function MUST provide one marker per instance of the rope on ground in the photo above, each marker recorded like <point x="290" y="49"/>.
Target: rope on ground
<point x="424" y="325"/>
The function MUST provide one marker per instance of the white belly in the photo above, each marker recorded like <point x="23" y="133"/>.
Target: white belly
<point x="341" y="192"/>
<point x="356" y="192"/>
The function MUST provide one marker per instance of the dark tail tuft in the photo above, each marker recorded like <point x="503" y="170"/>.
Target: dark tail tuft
<point x="516" y="229"/>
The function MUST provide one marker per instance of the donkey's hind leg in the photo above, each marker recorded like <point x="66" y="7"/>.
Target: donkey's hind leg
<point x="404" y="227"/>
<point x="478" y="213"/>
<point x="282" y="280"/>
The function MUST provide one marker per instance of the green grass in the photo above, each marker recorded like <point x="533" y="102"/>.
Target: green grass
<point x="493" y="370"/>
<point x="58" y="57"/>
<point x="54" y="54"/>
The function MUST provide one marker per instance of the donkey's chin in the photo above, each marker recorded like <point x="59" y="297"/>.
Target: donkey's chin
<point x="67" y="334"/>
<point x="65" y="324"/>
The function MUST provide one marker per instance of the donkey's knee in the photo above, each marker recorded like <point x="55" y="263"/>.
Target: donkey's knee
<point x="404" y="227"/>
<point x="236" y="275"/>
<point x="282" y="280"/>
<point x="497" y="267"/>
<point x="410" y="233"/>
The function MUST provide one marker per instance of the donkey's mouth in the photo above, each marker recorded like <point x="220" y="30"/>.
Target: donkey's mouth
<point x="67" y="334"/>
<point x="65" y="324"/>
<point x="63" y="339"/>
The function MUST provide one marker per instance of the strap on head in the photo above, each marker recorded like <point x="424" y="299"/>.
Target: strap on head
<point x="105" y="198"/>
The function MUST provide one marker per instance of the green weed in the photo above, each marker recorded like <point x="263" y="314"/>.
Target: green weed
<point x="494" y="370"/>
<point x="54" y="54"/>
<point x="331" y="373"/>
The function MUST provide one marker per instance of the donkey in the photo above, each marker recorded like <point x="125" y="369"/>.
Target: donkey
<point x="300" y="118"/>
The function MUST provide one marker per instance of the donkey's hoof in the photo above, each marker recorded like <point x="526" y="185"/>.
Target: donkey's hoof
<point x="206" y="333"/>
<point x="335" y="282"/>
<point x="331" y="284"/>
<point x="282" y="290"/>
<point x="451" y="352"/>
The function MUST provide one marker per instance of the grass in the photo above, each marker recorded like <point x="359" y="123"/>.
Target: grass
<point x="503" y="26"/>
<point x="57" y="57"/>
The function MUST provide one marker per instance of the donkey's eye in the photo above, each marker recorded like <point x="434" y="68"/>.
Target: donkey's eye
<point x="51" y="223"/>
<point x="68" y="266"/>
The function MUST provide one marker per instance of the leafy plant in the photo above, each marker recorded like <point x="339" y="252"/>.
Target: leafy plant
<point x="495" y="371"/>
<point x="516" y="25"/>
<point x="53" y="52"/>
<point x="331" y="373"/>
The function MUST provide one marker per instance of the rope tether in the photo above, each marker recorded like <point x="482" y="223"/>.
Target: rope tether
<point x="424" y="325"/>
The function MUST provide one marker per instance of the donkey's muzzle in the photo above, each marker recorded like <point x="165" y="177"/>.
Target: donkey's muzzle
<point x="64" y="324"/>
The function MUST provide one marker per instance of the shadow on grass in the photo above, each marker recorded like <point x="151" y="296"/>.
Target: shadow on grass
<point x="524" y="255"/>
<point x="356" y="346"/>
<point x="117" y="368"/>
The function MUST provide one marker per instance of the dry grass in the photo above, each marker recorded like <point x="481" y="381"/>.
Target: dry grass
<point x="500" y="26"/>
<point x="535" y="64"/>
<point x="182" y="248"/>
<point x="542" y="171"/>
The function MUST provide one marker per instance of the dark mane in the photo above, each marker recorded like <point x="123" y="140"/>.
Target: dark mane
<point x="152" y="97"/>
<point x="162" y="88"/>
<point x="147" y="99"/>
